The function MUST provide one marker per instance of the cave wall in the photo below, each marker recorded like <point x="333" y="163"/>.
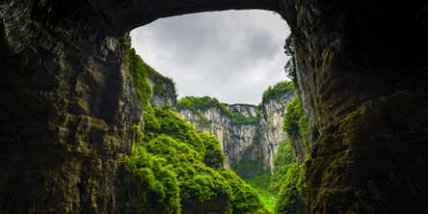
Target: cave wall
<point x="67" y="104"/>
<point x="364" y="88"/>
<point x="67" y="108"/>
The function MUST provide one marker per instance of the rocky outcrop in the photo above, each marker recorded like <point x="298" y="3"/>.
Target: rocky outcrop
<point x="67" y="105"/>
<point x="249" y="134"/>
<point x="234" y="138"/>
<point x="66" y="114"/>
<point x="163" y="92"/>
<point x="271" y="120"/>
<point x="364" y="93"/>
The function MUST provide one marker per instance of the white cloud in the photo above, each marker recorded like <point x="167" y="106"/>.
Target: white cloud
<point x="232" y="55"/>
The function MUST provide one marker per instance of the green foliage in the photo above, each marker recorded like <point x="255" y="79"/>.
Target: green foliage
<point x="151" y="122"/>
<point x="244" y="198"/>
<point x="247" y="168"/>
<point x="284" y="160"/>
<point x="295" y="120"/>
<point x="159" y="185"/>
<point x="268" y="200"/>
<point x="173" y="125"/>
<point x="198" y="104"/>
<point x="239" y="118"/>
<point x="288" y="175"/>
<point x="277" y="90"/>
<point x="262" y="184"/>
<point x="146" y="80"/>
<point x="204" y="185"/>
<point x="290" y="197"/>
<point x="161" y="84"/>
<point x="178" y="168"/>
<point x="138" y="70"/>
<point x="214" y="156"/>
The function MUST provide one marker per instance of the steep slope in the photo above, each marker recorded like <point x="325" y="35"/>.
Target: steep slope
<point x="163" y="93"/>
<point x="250" y="135"/>
<point x="67" y="104"/>
<point x="208" y="114"/>
<point x="271" y="119"/>
<point x="178" y="169"/>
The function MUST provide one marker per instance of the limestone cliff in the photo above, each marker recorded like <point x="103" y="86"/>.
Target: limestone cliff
<point x="271" y="120"/>
<point x="163" y="93"/>
<point x="66" y="116"/>
<point x="67" y="105"/>
<point x="249" y="134"/>
<point x="216" y="118"/>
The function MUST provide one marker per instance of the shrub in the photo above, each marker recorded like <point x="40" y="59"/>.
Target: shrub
<point x="277" y="90"/>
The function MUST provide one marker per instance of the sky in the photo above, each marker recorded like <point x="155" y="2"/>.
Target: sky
<point x="231" y="55"/>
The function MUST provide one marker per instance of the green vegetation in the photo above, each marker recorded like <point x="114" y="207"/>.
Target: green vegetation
<point x="245" y="199"/>
<point x="268" y="200"/>
<point x="278" y="185"/>
<point x="289" y="175"/>
<point x="290" y="197"/>
<point x="295" y="121"/>
<point x="214" y="156"/>
<point x="182" y="168"/>
<point x="262" y="184"/>
<point x="140" y="81"/>
<point x="198" y="104"/>
<point x="239" y="118"/>
<point x="179" y="169"/>
<point x="146" y="80"/>
<point x="283" y="161"/>
<point x="277" y="90"/>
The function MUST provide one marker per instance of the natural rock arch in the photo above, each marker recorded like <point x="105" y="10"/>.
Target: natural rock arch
<point x="68" y="107"/>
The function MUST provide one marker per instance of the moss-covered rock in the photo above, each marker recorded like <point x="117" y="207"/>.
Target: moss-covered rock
<point x="179" y="169"/>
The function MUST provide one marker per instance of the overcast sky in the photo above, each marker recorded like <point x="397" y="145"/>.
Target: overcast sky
<point x="232" y="55"/>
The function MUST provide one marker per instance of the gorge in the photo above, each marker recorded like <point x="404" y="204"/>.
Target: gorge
<point x="70" y="103"/>
<point x="249" y="135"/>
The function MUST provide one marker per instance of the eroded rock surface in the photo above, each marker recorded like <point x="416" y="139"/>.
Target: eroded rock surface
<point x="250" y="135"/>
<point x="67" y="105"/>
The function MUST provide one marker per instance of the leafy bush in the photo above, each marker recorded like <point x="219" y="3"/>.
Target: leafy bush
<point x="239" y="118"/>
<point x="199" y="104"/>
<point x="244" y="198"/>
<point x="140" y="82"/>
<point x="290" y="197"/>
<point x="284" y="160"/>
<point x="295" y="120"/>
<point x="288" y="175"/>
<point x="179" y="169"/>
<point x="214" y="156"/>
<point x="277" y="90"/>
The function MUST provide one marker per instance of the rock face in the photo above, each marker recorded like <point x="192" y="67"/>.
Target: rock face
<point x="249" y="144"/>
<point x="364" y="92"/>
<point x="163" y="93"/>
<point x="234" y="139"/>
<point x="66" y="114"/>
<point x="271" y="120"/>
<point x="67" y="106"/>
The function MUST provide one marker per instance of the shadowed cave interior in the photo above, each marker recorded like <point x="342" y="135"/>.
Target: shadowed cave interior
<point x="75" y="112"/>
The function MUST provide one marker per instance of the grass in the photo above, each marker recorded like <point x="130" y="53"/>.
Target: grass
<point x="268" y="201"/>
<point x="262" y="185"/>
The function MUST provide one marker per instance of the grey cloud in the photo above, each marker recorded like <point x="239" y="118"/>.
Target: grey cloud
<point x="216" y="54"/>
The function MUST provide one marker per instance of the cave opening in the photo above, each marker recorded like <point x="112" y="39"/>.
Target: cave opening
<point x="72" y="113"/>
<point x="237" y="59"/>
<point x="231" y="55"/>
